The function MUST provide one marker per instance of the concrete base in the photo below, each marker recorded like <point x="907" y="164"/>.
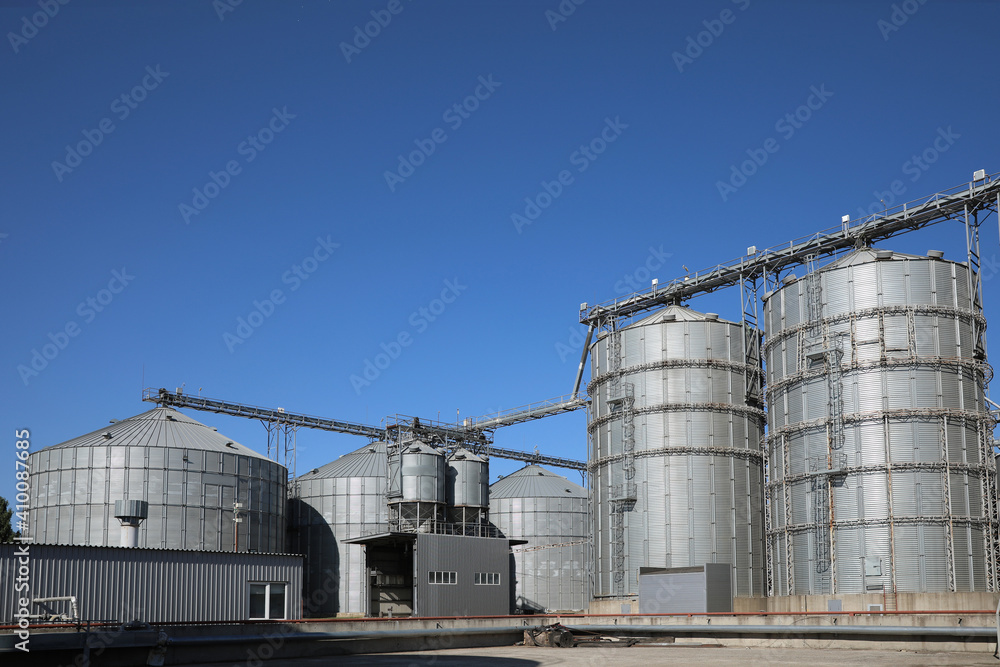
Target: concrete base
<point x="797" y="604"/>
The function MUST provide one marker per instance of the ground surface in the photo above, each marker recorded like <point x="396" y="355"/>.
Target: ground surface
<point x="646" y="656"/>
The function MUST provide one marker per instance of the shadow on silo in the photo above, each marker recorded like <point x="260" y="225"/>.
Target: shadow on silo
<point x="310" y="535"/>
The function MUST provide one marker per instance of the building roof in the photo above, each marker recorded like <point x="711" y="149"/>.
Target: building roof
<point x="367" y="461"/>
<point x="533" y="481"/>
<point x="160" y="427"/>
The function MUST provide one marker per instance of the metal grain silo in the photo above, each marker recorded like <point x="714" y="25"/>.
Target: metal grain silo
<point x="468" y="491"/>
<point x="341" y="500"/>
<point x="550" y="512"/>
<point x="675" y="437"/>
<point x="417" y="487"/>
<point x="878" y="439"/>
<point x="189" y="474"/>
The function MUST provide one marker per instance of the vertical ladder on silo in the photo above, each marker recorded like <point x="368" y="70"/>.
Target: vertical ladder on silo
<point x="622" y="397"/>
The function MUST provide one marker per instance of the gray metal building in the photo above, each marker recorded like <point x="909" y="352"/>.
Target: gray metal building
<point x="424" y="574"/>
<point x="549" y="512"/>
<point x="675" y="437"/>
<point x="341" y="500"/>
<point x="188" y="473"/>
<point x="878" y="439"/>
<point x="152" y="585"/>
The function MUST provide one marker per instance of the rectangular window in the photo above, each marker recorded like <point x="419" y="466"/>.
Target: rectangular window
<point x="442" y="578"/>
<point x="487" y="579"/>
<point x="267" y="601"/>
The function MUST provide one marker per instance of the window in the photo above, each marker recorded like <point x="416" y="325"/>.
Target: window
<point x="267" y="601"/>
<point x="442" y="577"/>
<point x="487" y="579"/>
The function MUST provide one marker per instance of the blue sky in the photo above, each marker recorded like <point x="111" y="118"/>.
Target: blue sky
<point x="177" y="162"/>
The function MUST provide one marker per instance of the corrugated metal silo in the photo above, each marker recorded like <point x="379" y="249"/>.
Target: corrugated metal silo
<point x="468" y="490"/>
<point x="550" y="512"/>
<point x="188" y="473"/>
<point x="341" y="500"/>
<point x="417" y="492"/>
<point x="878" y="438"/>
<point x="675" y="443"/>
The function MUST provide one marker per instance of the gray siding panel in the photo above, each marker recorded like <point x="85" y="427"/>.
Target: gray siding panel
<point x="465" y="556"/>
<point x="152" y="585"/>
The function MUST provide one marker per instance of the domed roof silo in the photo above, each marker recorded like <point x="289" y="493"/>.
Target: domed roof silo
<point x="550" y="512"/>
<point x="189" y="474"/>
<point x="468" y="491"/>
<point x="879" y="440"/>
<point x="675" y="435"/>
<point x="340" y="500"/>
<point x="418" y="487"/>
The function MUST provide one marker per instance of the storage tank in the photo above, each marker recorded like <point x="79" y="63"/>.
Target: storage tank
<point x="878" y="438"/>
<point x="468" y="491"/>
<point x="675" y="437"/>
<point x="550" y="512"/>
<point x="341" y="500"/>
<point x="417" y="494"/>
<point x="189" y="474"/>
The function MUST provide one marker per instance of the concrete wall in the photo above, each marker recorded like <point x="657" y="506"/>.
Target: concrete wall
<point x="860" y="602"/>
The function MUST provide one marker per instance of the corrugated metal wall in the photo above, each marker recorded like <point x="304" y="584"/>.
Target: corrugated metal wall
<point x="553" y="578"/>
<point x="118" y="584"/>
<point x="698" y="467"/>
<point x="465" y="556"/>
<point x="190" y="494"/>
<point x="342" y="500"/>
<point x="914" y="431"/>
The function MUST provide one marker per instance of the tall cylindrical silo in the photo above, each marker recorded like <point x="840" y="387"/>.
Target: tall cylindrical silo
<point x="675" y="437"/>
<point x="418" y="497"/>
<point x="338" y="501"/>
<point x="878" y="437"/>
<point x="550" y="512"/>
<point x="188" y="473"/>
<point x="468" y="492"/>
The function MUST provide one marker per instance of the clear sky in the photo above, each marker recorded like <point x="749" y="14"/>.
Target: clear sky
<point x="323" y="171"/>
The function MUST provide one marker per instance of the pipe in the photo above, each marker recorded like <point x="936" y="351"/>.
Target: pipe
<point x="893" y="631"/>
<point x="583" y="360"/>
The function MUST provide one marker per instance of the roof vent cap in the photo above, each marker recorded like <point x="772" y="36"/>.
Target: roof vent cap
<point x="883" y="254"/>
<point x="712" y="317"/>
<point x="935" y="254"/>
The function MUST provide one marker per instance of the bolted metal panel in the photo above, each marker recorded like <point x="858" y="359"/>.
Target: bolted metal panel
<point x="893" y="471"/>
<point x="341" y="500"/>
<point x="550" y="512"/>
<point x="178" y="466"/>
<point x="151" y="585"/>
<point x="694" y="492"/>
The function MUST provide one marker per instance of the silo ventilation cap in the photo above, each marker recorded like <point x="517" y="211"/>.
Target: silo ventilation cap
<point x="935" y="254"/>
<point x="883" y="254"/>
<point x="712" y="317"/>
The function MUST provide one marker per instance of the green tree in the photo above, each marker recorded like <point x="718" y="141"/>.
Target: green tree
<point x="7" y="533"/>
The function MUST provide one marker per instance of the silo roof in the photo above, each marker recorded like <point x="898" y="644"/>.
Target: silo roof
<point x="368" y="461"/>
<point x="534" y="481"/>
<point x="160" y="427"/>
<point x="680" y="314"/>
<point x="865" y="255"/>
<point x="462" y="454"/>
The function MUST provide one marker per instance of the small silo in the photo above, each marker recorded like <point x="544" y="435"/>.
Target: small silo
<point x="468" y="491"/>
<point x="189" y="475"/>
<point x="550" y="513"/>
<point x="417" y="487"/>
<point x="878" y="437"/>
<point x="675" y="449"/>
<point x="341" y="500"/>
